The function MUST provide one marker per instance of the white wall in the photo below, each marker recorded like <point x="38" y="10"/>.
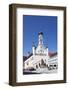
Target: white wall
<point x="4" y="47"/>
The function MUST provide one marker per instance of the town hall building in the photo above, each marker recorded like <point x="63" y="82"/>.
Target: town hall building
<point x="41" y="60"/>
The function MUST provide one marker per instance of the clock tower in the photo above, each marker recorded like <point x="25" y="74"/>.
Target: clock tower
<point x="41" y="48"/>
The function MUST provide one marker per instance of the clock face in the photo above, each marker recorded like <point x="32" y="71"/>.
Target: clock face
<point x="41" y="51"/>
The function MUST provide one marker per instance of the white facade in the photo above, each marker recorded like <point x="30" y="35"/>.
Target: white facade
<point x="40" y="57"/>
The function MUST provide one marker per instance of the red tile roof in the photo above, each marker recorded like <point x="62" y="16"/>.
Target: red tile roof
<point x="51" y="54"/>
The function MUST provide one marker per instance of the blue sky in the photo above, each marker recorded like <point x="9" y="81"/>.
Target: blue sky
<point x="32" y="25"/>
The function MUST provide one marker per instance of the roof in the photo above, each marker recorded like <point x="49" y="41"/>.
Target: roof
<point x="26" y="57"/>
<point x="40" y="33"/>
<point x="52" y="54"/>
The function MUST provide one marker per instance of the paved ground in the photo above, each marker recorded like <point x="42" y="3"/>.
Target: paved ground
<point x="45" y="70"/>
<point x="40" y="71"/>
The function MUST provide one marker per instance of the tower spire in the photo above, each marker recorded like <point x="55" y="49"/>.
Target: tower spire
<point x="40" y="40"/>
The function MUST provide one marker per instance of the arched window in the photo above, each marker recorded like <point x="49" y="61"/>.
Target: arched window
<point x="54" y="65"/>
<point x="36" y="66"/>
<point x="42" y="61"/>
<point x="39" y="65"/>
